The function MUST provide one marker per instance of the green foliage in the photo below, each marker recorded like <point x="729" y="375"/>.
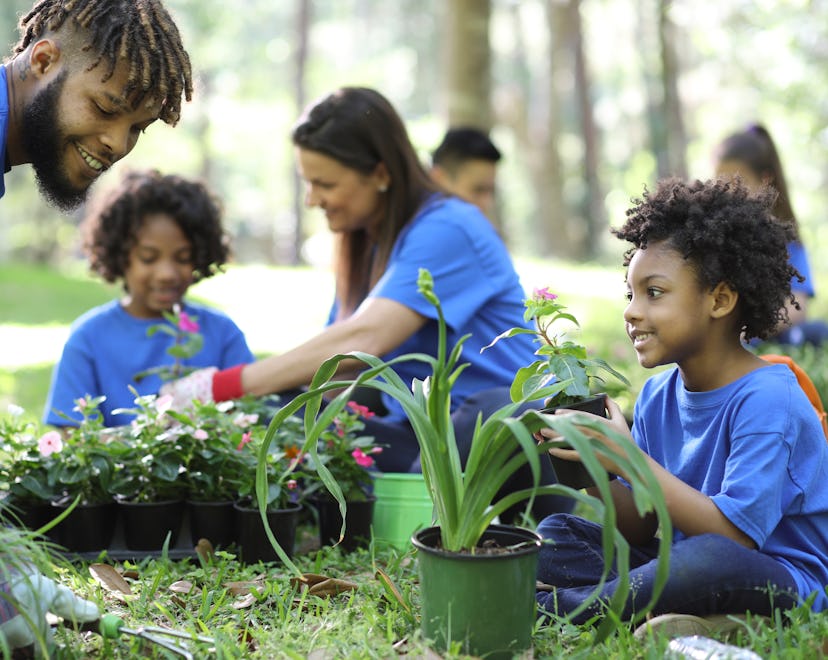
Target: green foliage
<point x="188" y="341"/>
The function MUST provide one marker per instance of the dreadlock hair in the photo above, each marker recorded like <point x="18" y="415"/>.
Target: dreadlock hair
<point x="727" y="234"/>
<point x="138" y="32"/>
<point x="112" y="225"/>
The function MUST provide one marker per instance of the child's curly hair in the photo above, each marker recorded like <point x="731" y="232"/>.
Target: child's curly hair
<point x="728" y="235"/>
<point x="111" y="229"/>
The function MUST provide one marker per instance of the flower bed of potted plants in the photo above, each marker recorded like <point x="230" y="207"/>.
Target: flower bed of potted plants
<point x="456" y="609"/>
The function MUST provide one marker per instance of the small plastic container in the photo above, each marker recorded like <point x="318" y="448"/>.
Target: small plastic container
<point x="704" y="648"/>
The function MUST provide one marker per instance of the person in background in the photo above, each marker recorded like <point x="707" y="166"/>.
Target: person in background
<point x="390" y="219"/>
<point x="157" y="234"/>
<point x="733" y="441"/>
<point x="752" y="155"/>
<point x="86" y="79"/>
<point x="465" y="164"/>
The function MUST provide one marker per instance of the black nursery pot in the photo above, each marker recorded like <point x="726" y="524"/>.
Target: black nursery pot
<point x="146" y="524"/>
<point x="573" y="473"/>
<point x="255" y="546"/>
<point x="88" y="528"/>
<point x="214" y="521"/>
<point x="358" y="519"/>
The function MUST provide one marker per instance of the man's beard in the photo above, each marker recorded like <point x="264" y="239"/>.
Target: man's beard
<point x="42" y="141"/>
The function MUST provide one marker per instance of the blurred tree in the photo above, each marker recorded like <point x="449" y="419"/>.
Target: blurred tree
<point x="467" y="62"/>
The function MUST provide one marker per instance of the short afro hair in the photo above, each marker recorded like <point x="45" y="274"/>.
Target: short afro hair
<point x="111" y="228"/>
<point x="728" y="235"/>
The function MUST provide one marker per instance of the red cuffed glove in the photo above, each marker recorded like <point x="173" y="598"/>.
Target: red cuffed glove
<point x="204" y="385"/>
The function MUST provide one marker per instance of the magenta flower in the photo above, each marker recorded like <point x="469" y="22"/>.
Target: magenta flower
<point x="544" y="294"/>
<point x="360" y="410"/>
<point x="291" y="484"/>
<point x="245" y="439"/>
<point x="187" y="324"/>
<point x="50" y="443"/>
<point x="362" y="459"/>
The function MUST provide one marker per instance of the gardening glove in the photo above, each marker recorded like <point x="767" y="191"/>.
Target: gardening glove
<point x="25" y="599"/>
<point x="204" y="385"/>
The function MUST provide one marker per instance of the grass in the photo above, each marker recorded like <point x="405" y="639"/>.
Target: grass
<point x="277" y="308"/>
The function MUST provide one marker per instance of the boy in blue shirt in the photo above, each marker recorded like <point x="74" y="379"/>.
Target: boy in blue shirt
<point x="733" y="441"/>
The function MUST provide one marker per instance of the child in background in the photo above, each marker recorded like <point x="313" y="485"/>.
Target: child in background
<point x="751" y="154"/>
<point x="733" y="441"/>
<point x="158" y="234"/>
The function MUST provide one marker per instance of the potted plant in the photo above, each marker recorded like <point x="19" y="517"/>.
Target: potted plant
<point x="149" y="482"/>
<point x="461" y="575"/>
<point x="214" y="466"/>
<point x="275" y="512"/>
<point x="80" y="469"/>
<point x="24" y="469"/>
<point x="563" y="361"/>
<point x="348" y="456"/>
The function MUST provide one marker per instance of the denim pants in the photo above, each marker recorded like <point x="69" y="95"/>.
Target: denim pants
<point x="709" y="574"/>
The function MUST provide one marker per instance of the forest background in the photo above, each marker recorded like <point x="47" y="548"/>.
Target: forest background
<point x="589" y="101"/>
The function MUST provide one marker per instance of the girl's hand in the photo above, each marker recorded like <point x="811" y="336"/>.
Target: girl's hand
<point x="615" y="421"/>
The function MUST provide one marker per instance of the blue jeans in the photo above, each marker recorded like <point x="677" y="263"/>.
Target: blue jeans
<point x="709" y="574"/>
<point x="402" y="451"/>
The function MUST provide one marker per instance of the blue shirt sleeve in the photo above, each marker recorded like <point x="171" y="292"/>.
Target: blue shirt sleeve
<point x="798" y="258"/>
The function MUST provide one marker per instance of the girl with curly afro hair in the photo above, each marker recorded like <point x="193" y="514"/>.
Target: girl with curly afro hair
<point x="157" y="235"/>
<point x="732" y="439"/>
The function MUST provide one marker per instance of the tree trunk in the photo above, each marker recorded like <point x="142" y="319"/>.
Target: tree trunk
<point x="587" y="235"/>
<point x="467" y="63"/>
<point x="676" y="137"/>
<point x="303" y="21"/>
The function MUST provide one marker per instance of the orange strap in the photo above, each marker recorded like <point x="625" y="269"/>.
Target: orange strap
<point x="805" y="383"/>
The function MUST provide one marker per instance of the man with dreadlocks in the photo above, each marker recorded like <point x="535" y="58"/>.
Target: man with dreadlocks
<point x="85" y="80"/>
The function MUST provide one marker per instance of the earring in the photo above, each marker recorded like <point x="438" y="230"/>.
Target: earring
<point x="382" y="188"/>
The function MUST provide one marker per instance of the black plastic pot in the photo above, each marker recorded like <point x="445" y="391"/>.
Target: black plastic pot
<point x="147" y="524"/>
<point x="358" y="518"/>
<point x="253" y="541"/>
<point x="89" y="527"/>
<point x="214" y="521"/>
<point x="573" y="473"/>
<point x="485" y="602"/>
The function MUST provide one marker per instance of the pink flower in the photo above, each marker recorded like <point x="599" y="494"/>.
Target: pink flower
<point x="50" y="443"/>
<point x="291" y="484"/>
<point x="163" y="403"/>
<point x="362" y="459"/>
<point x="81" y="404"/>
<point x="187" y="324"/>
<point x="544" y="293"/>
<point x="245" y="439"/>
<point x="200" y="434"/>
<point x="362" y="411"/>
<point x="243" y="420"/>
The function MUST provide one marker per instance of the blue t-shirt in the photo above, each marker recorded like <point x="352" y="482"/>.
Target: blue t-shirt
<point x="107" y="346"/>
<point x="798" y="258"/>
<point x="756" y="447"/>
<point x="479" y="290"/>
<point x="4" y="126"/>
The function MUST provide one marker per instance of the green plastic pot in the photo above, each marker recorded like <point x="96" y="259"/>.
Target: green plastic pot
<point x="403" y="506"/>
<point x="486" y="602"/>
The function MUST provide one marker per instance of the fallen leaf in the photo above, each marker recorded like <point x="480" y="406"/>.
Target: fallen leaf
<point x="204" y="549"/>
<point x="243" y="587"/>
<point x="243" y="603"/>
<point x="132" y="574"/>
<point x="179" y="601"/>
<point x="322" y="585"/>
<point x="110" y="579"/>
<point x="183" y="587"/>
<point x="391" y="588"/>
